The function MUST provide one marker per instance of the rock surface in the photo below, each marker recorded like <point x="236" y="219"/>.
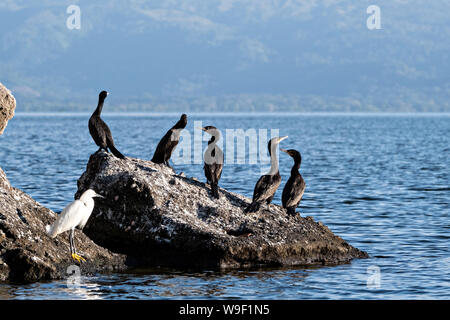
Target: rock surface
<point x="26" y="252"/>
<point x="157" y="217"/>
<point x="151" y="216"/>
<point x="7" y="107"/>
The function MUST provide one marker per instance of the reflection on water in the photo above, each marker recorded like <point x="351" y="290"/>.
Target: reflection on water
<point x="380" y="182"/>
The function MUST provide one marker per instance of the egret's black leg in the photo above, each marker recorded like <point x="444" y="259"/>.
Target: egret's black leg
<point x="73" y="251"/>
<point x="71" y="242"/>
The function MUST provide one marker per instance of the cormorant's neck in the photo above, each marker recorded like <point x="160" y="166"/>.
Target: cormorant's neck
<point x="98" y="111"/>
<point x="273" y="160"/>
<point x="213" y="139"/>
<point x="296" y="167"/>
<point x="181" y="124"/>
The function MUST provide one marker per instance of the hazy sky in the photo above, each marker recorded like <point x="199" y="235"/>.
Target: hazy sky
<point x="316" y="52"/>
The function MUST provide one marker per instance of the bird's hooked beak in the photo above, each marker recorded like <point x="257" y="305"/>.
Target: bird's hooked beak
<point x="284" y="150"/>
<point x="282" y="138"/>
<point x="200" y="128"/>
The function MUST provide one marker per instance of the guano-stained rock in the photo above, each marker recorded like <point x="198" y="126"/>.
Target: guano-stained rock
<point x="157" y="217"/>
<point x="28" y="254"/>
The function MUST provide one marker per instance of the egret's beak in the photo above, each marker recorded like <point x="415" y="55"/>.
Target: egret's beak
<point x="282" y="138"/>
<point x="99" y="196"/>
<point x="284" y="150"/>
<point x="200" y="128"/>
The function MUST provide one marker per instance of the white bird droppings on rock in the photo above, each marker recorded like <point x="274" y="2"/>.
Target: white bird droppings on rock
<point x="182" y="220"/>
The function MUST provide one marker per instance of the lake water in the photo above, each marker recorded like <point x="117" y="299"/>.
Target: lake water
<point x="381" y="182"/>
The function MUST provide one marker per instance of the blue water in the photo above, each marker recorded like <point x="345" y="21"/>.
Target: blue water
<point x="381" y="182"/>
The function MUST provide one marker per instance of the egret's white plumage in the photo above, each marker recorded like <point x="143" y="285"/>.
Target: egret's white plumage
<point x="75" y="215"/>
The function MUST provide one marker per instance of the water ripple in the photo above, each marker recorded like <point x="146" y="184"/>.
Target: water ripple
<point x="380" y="183"/>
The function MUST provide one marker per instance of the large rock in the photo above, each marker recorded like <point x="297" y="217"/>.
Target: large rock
<point x="157" y="217"/>
<point x="26" y="252"/>
<point x="7" y="106"/>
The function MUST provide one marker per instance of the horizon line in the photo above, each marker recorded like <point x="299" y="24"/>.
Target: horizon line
<point x="308" y="113"/>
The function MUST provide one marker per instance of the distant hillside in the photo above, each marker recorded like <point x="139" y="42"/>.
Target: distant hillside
<point x="244" y="103"/>
<point x="226" y="55"/>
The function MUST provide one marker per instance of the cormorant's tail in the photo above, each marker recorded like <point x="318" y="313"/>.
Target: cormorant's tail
<point x="253" y="207"/>
<point x="157" y="159"/>
<point x="116" y="152"/>
<point x="215" y="190"/>
<point x="291" y="211"/>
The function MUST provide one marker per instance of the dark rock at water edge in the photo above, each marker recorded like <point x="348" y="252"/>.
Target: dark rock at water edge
<point x="157" y="217"/>
<point x="27" y="254"/>
<point x="151" y="216"/>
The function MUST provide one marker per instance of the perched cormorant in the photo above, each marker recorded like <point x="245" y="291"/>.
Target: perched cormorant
<point x="295" y="187"/>
<point x="268" y="184"/>
<point x="169" y="142"/>
<point x="75" y="215"/>
<point x="99" y="129"/>
<point x="213" y="160"/>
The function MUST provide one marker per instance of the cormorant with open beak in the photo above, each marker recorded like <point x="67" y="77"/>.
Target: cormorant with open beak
<point x="268" y="184"/>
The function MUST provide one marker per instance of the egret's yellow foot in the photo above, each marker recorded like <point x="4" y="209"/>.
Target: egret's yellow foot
<point x="78" y="258"/>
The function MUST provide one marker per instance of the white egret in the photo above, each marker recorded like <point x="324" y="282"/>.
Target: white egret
<point x="75" y="215"/>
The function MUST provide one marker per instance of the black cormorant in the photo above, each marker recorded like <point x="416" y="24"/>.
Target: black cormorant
<point x="168" y="143"/>
<point x="295" y="187"/>
<point x="268" y="184"/>
<point x="99" y="129"/>
<point x="213" y="160"/>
